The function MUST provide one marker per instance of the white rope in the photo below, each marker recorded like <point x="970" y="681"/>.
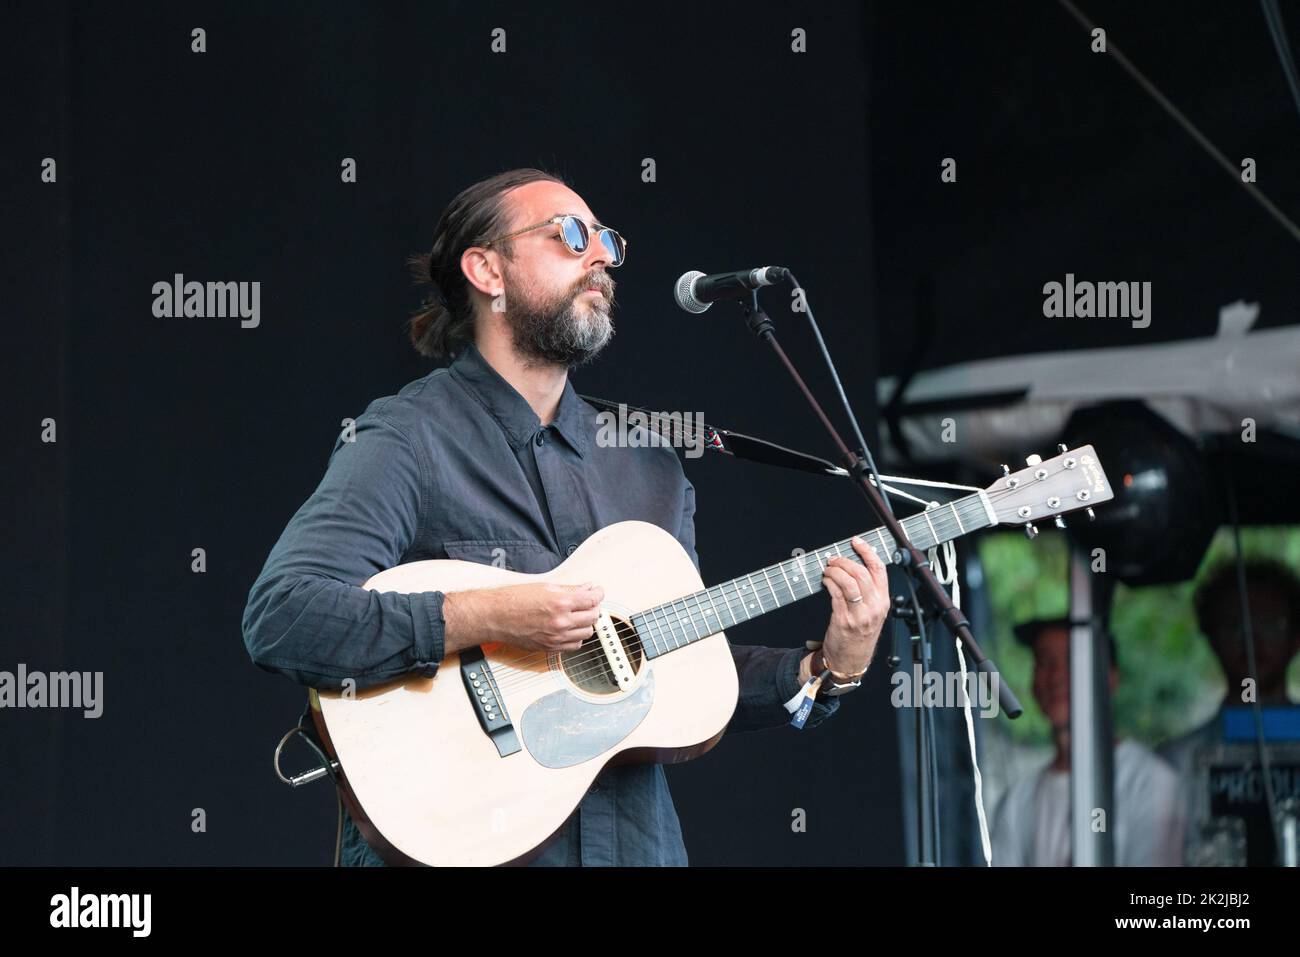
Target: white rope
<point x="925" y="482"/>
<point x="950" y="577"/>
<point x="950" y="558"/>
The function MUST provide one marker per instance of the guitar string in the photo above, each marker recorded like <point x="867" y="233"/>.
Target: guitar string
<point x="584" y="660"/>
<point x="597" y="656"/>
<point x="671" y="634"/>
<point x="944" y="521"/>
<point x="585" y="664"/>
<point x="729" y="601"/>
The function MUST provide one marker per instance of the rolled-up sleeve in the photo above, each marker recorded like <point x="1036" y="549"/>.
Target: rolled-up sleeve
<point x="307" y="617"/>
<point x="769" y="677"/>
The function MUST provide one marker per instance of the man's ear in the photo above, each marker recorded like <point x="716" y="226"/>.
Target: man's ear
<point x="482" y="270"/>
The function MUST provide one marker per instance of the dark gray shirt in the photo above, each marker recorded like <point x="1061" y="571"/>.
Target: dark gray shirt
<point x="457" y="465"/>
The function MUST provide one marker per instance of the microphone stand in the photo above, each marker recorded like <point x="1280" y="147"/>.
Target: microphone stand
<point x="907" y="557"/>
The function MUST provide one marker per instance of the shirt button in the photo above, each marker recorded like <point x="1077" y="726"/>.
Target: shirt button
<point x="571" y="549"/>
<point x="594" y="789"/>
<point x="541" y="437"/>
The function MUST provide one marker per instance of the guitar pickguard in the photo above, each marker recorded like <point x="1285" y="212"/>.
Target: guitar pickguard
<point x="562" y="729"/>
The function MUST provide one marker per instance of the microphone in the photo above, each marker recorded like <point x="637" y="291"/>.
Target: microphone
<point x="695" y="291"/>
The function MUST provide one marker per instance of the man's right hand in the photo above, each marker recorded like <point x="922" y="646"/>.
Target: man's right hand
<point x="537" y="617"/>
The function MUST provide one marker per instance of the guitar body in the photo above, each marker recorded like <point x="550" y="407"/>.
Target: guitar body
<point x="425" y="781"/>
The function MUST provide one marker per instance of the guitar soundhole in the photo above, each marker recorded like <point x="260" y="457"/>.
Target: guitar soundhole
<point x="588" y="667"/>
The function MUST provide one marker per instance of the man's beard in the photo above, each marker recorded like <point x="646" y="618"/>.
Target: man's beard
<point x="559" y="329"/>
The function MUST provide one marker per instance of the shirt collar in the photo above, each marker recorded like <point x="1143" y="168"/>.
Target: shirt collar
<point x="574" y="418"/>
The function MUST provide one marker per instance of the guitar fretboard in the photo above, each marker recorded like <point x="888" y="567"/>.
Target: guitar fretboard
<point x="677" y="623"/>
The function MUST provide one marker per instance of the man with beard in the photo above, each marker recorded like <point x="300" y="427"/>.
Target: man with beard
<point x="493" y="459"/>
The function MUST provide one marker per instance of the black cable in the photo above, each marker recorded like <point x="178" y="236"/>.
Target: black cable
<point x="1273" y="19"/>
<point x="1234" y="171"/>
<point x="306" y="733"/>
<point x="1247" y="631"/>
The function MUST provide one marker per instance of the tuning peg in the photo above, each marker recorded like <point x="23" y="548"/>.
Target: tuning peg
<point x="1031" y="531"/>
<point x="1091" y="515"/>
<point x="1032" y="460"/>
<point x="1006" y="470"/>
<point x="1060" y="521"/>
<point x="1062" y="447"/>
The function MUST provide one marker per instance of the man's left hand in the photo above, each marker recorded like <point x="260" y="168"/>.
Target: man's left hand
<point x="855" y="626"/>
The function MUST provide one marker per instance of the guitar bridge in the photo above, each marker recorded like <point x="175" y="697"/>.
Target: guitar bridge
<point x="476" y="674"/>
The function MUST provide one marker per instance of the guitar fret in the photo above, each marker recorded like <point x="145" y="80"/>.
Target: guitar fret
<point x="671" y="622"/>
<point x="667" y="625"/>
<point x="690" y="616"/>
<point x="735" y="597"/>
<point x="813" y="578"/>
<point x="659" y="622"/>
<point x="749" y="579"/>
<point x="803" y="572"/>
<point x="933" y="534"/>
<point x="716" y="617"/>
<point x="724" y="591"/>
<point x="886" y="553"/>
<point x="651" y="631"/>
<point x="909" y="528"/>
<point x="789" y="587"/>
<point x="722" y="615"/>
<point x="702" y="613"/>
<point x="794" y="569"/>
<point x="957" y="515"/>
<point x="738" y="588"/>
<point x="776" y="602"/>
<point x="728" y="608"/>
<point x="681" y="618"/>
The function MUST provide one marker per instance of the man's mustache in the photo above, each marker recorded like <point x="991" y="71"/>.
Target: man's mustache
<point x="601" y="281"/>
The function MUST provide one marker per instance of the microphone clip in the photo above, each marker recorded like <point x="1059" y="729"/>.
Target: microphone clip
<point x="760" y="324"/>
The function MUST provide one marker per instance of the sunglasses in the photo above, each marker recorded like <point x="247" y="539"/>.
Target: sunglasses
<point x="576" y="235"/>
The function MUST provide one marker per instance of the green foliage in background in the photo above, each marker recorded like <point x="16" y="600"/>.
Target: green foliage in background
<point x="1170" y="680"/>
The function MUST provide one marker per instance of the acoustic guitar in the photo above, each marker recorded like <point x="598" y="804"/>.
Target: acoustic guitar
<point x="483" y="763"/>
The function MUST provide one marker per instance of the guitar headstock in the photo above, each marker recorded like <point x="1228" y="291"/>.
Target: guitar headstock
<point x="1050" y="488"/>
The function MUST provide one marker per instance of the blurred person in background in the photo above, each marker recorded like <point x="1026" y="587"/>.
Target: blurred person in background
<point x="1032" y="825"/>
